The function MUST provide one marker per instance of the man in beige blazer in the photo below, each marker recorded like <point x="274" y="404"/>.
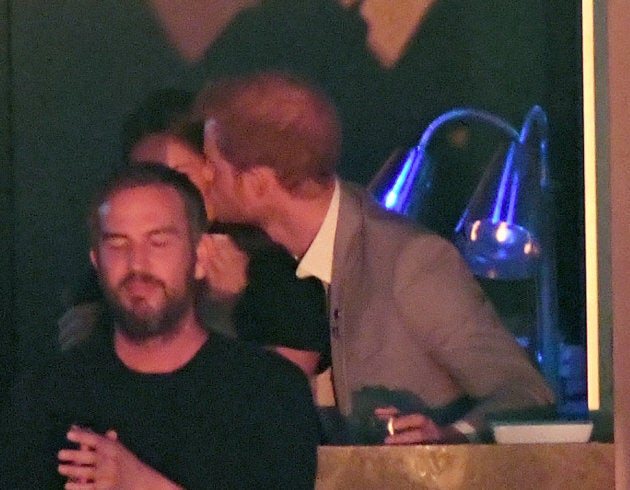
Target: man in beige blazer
<point x="414" y="342"/>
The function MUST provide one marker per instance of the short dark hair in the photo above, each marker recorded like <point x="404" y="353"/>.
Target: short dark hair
<point x="138" y="175"/>
<point x="273" y="119"/>
<point x="191" y="132"/>
<point x="159" y="111"/>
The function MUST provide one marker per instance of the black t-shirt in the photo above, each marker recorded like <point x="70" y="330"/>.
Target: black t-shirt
<point x="233" y="417"/>
<point x="277" y="308"/>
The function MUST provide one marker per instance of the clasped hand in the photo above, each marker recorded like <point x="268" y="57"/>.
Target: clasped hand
<point x="102" y="462"/>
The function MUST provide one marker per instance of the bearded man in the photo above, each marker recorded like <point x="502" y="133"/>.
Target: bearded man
<point x="152" y="400"/>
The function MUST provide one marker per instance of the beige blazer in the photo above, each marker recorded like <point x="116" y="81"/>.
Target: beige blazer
<point x="407" y="315"/>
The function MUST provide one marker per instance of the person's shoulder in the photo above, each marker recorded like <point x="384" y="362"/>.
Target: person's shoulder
<point x="80" y="358"/>
<point x="61" y="369"/>
<point x="257" y="364"/>
<point x="376" y="218"/>
<point x="396" y="237"/>
<point x="311" y="14"/>
<point x="246" y="354"/>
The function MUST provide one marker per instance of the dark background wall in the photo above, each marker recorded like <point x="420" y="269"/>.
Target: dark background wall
<point x="71" y="71"/>
<point x="7" y="276"/>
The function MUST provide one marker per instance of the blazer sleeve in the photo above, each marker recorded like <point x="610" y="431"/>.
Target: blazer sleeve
<point x="464" y="334"/>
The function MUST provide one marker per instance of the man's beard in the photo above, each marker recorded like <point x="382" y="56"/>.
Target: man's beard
<point x="141" y="322"/>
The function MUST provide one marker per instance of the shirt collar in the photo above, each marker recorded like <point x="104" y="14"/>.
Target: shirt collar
<point x="318" y="259"/>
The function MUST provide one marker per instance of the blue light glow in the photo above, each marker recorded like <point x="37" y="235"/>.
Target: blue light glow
<point x="398" y="197"/>
<point x="392" y="200"/>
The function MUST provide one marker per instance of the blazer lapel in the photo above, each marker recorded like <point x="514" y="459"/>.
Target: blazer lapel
<point x="347" y="259"/>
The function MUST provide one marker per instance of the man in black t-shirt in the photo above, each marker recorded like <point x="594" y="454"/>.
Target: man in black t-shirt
<point x="152" y="399"/>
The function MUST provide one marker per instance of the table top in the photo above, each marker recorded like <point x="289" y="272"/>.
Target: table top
<point x="468" y="466"/>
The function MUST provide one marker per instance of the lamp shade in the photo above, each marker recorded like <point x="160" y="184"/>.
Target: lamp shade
<point x="404" y="183"/>
<point x="408" y="180"/>
<point x="500" y="233"/>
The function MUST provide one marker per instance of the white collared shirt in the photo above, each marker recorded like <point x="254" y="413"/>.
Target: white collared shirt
<point x="318" y="259"/>
<point x="318" y="262"/>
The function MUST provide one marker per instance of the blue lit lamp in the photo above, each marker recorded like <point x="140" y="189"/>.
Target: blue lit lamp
<point x="506" y="230"/>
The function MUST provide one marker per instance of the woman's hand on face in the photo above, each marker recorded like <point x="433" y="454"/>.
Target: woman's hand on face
<point x="226" y="266"/>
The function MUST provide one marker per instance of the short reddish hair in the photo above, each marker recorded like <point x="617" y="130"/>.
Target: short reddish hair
<point x="276" y="120"/>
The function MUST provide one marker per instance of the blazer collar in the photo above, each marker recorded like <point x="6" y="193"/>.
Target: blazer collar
<point x="349" y="226"/>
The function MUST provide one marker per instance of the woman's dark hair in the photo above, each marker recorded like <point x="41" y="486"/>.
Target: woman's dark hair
<point x="162" y="110"/>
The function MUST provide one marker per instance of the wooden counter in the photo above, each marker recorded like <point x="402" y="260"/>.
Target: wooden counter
<point x="467" y="467"/>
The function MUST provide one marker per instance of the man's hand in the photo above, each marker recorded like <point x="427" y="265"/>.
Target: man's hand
<point x="101" y="462"/>
<point x="416" y="429"/>
<point x="226" y="266"/>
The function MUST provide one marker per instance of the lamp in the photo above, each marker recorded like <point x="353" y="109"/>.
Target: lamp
<point x="505" y="231"/>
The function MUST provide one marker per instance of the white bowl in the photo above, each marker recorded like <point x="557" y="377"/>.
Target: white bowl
<point x="537" y="432"/>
